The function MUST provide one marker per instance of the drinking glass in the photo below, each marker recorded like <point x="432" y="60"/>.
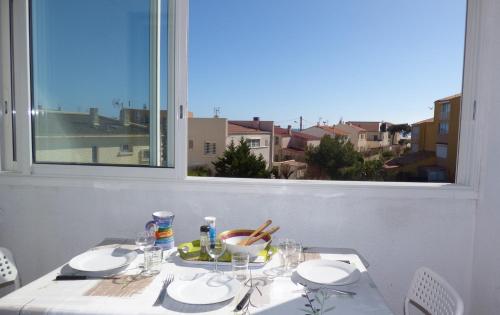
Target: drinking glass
<point x="215" y="249"/>
<point x="152" y="260"/>
<point x="239" y="262"/>
<point x="297" y="255"/>
<point x="143" y="240"/>
<point x="286" y="249"/>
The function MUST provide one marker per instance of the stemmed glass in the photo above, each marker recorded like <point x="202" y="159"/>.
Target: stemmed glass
<point x="215" y="249"/>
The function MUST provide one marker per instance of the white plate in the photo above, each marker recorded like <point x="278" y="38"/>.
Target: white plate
<point x="103" y="259"/>
<point x="207" y="289"/>
<point x="329" y="272"/>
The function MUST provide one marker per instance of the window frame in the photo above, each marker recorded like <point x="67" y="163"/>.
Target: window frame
<point x="471" y="142"/>
<point x="177" y="91"/>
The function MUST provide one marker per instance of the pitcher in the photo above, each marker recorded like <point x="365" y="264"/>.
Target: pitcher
<point x="161" y="225"/>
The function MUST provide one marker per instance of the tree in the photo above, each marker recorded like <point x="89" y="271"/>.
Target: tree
<point x="366" y="170"/>
<point x="331" y="155"/>
<point x="239" y="161"/>
<point x="405" y="129"/>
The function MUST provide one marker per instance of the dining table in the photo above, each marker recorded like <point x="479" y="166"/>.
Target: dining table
<point x="273" y="293"/>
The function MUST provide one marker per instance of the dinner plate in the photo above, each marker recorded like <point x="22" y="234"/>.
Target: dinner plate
<point x="329" y="272"/>
<point x="207" y="289"/>
<point x="103" y="259"/>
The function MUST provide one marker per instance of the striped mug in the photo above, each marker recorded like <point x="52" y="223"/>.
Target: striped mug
<point x="161" y="226"/>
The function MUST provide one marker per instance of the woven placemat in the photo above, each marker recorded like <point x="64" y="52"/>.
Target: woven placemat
<point x="125" y="286"/>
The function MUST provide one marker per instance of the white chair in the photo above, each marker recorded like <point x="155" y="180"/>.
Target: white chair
<point x="433" y="294"/>
<point x="8" y="270"/>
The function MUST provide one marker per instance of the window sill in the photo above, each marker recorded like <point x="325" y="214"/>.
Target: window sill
<point x="282" y="187"/>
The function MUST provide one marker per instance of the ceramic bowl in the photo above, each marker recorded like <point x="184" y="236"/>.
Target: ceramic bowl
<point x="233" y="237"/>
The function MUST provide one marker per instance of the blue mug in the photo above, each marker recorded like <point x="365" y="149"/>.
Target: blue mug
<point x="161" y="226"/>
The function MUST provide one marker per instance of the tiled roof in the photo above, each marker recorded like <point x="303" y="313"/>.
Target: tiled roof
<point x="409" y="158"/>
<point x="449" y="98"/>
<point x="280" y="131"/>
<point x="304" y="136"/>
<point x="424" y="121"/>
<point x="334" y="130"/>
<point x="238" y="130"/>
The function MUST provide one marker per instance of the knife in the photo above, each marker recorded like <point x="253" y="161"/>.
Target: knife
<point x="80" y="277"/>
<point x="244" y="300"/>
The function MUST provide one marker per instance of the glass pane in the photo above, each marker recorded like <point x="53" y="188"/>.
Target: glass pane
<point x="94" y="82"/>
<point x="325" y="89"/>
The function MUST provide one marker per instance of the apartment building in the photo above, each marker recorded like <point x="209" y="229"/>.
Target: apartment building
<point x="423" y="136"/>
<point x="258" y="134"/>
<point x="75" y="137"/>
<point x="375" y="138"/>
<point x="447" y="118"/>
<point x="356" y="135"/>
<point x="206" y="141"/>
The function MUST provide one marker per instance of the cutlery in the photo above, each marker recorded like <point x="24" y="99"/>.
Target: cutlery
<point x="266" y="233"/>
<point x="254" y="233"/>
<point x="244" y="300"/>
<point x="163" y="291"/>
<point x="343" y="292"/>
<point x="80" y="277"/>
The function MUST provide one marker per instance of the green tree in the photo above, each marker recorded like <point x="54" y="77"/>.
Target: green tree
<point x="239" y="161"/>
<point x="367" y="170"/>
<point x="331" y="155"/>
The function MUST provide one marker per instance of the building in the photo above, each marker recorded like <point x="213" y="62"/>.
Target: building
<point x="257" y="133"/>
<point x="89" y="138"/>
<point x="356" y="135"/>
<point x="423" y="136"/>
<point x="375" y="137"/>
<point x="292" y="145"/>
<point x="447" y="118"/>
<point x="206" y="141"/>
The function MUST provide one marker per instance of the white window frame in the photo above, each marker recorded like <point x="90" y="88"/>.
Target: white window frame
<point x="177" y="91"/>
<point x="470" y="143"/>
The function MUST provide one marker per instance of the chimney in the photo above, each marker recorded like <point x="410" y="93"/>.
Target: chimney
<point x="125" y="116"/>
<point x="256" y="122"/>
<point x="94" y="116"/>
<point x="289" y="128"/>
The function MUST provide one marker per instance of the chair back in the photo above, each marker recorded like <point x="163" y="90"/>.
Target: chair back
<point x="8" y="269"/>
<point x="432" y="293"/>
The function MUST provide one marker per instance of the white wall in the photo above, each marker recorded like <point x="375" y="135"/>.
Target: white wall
<point x="486" y="285"/>
<point x="46" y="221"/>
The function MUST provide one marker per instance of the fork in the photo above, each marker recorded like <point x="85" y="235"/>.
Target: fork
<point x="168" y="280"/>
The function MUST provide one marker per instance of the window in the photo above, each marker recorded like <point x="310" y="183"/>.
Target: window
<point x="315" y="86"/>
<point x="126" y="149"/>
<point x="99" y="82"/>
<point x="445" y="111"/>
<point x="442" y="151"/>
<point x="276" y="140"/>
<point x="414" y="147"/>
<point x="191" y="144"/>
<point x="254" y="143"/>
<point x="415" y="131"/>
<point x="209" y="148"/>
<point x="443" y="128"/>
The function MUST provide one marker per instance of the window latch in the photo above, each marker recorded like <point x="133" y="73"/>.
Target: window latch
<point x="6" y="107"/>
<point x="181" y="112"/>
<point x="474" y="107"/>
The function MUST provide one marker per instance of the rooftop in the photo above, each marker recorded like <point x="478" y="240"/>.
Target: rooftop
<point x="235" y="129"/>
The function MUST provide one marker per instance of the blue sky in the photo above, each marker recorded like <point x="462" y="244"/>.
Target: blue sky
<point x="277" y="59"/>
<point x="358" y="59"/>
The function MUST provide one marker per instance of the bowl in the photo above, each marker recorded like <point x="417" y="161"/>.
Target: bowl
<point x="233" y="237"/>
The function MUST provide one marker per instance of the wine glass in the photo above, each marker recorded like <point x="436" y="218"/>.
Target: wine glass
<point x="215" y="249"/>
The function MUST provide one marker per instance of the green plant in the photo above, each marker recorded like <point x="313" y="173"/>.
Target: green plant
<point x="331" y="155"/>
<point x="202" y="171"/>
<point x="239" y="161"/>
<point x="316" y="305"/>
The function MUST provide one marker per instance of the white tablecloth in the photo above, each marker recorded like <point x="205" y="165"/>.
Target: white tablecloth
<point x="282" y="295"/>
